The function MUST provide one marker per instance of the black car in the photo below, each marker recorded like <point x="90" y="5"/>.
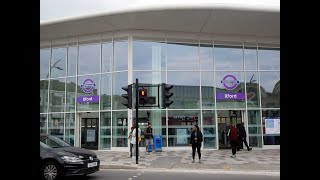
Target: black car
<point x="58" y="158"/>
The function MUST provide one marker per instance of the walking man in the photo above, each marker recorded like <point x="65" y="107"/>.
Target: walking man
<point x="243" y="136"/>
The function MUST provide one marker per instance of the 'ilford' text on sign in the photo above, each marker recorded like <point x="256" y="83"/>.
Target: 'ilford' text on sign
<point x="230" y="96"/>
<point x="81" y="99"/>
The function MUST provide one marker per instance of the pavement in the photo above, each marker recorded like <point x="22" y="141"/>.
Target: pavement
<point x="256" y="161"/>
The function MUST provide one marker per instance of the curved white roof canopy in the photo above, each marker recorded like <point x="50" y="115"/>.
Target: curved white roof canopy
<point x="217" y="19"/>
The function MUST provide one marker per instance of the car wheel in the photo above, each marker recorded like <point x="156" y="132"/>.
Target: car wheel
<point x="50" y="171"/>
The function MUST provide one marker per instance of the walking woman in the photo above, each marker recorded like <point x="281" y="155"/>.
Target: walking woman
<point x="196" y="141"/>
<point x="233" y="139"/>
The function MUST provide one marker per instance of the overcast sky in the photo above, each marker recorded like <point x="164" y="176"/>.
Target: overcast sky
<point x="57" y="9"/>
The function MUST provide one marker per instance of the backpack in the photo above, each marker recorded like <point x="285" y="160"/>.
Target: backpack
<point x="233" y="134"/>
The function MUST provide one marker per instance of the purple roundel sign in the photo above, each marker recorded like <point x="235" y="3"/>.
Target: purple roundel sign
<point x="230" y="82"/>
<point x="88" y="85"/>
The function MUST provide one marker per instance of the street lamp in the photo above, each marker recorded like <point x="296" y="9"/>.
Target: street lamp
<point x="54" y="66"/>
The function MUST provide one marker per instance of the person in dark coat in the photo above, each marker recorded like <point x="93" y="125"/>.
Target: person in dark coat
<point x="196" y="141"/>
<point x="233" y="139"/>
<point x="243" y="136"/>
<point x="239" y="141"/>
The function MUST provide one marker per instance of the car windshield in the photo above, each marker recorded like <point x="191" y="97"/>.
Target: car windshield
<point x="54" y="142"/>
<point x="43" y="145"/>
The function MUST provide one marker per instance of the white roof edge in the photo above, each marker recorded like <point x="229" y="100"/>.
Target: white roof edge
<point x="208" y="6"/>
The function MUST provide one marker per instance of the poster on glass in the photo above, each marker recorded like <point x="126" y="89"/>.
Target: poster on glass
<point x="272" y="126"/>
<point x="182" y="137"/>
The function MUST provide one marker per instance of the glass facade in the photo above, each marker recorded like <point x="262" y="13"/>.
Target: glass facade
<point x="271" y="118"/>
<point x="180" y="124"/>
<point x="207" y="78"/>
<point x="120" y="129"/>
<point x="56" y="125"/>
<point x="70" y="119"/>
<point x="89" y="53"/>
<point x="57" y="95"/>
<point x="105" y="130"/>
<point x="254" y="128"/>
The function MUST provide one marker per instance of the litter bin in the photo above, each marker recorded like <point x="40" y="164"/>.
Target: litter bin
<point x="157" y="141"/>
<point x="157" y="144"/>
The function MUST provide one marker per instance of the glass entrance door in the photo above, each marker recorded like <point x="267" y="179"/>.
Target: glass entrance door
<point x="89" y="131"/>
<point x="225" y="118"/>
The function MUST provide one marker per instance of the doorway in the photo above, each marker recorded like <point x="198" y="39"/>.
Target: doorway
<point x="225" y="118"/>
<point x="89" y="130"/>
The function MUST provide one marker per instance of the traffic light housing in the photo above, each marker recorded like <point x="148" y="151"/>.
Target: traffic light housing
<point x="128" y="96"/>
<point x="166" y="94"/>
<point x="143" y="96"/>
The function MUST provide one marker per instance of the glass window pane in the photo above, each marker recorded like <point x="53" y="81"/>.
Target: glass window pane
<point x="88" y="93"/>
<point x="58" y="62"/>
<point x="206" y="56"/>
<point x="120" y="129"/>
<point x="180" y="125"/>
<point x="44" y="63"/>
<point x="157" y="118"/>
<point x="230" y="90"/>
<point x="106" y="83"/>
<point x="44" y="85"/>
<point x="228" y="57"/>
<point x="89" y="59"/>
<point x="254" y="129"/>
<point x="107" y="57"/>
<point x="56" y="125"/>
<point x="252" y="89"/>
<point x="43" y="123"/>
<point x="72" y="59"/>
<point x="147" y="77"/>
<point x="209" y="129"/>
<point x="119" y="80"/>
<point x="149" y="55"/>
<point x="150" y="78"/>
<point x="69" y="137"/>
<point x="250" y="58"/>
<point x="105" y="130"/>
<point x="270" y="89"/>
<point x="120" y="55"/>
<point x="71" y="90"/>
<point x="186" y="90"/>
<point x="207" y="90"/>
<point x="269" y="59"/>
<point x="271" y="127"/>
<point x="57" y="95"/>
<point x="182" y="56"/>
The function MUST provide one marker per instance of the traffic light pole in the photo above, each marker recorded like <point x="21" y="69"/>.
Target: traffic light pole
<point x="137" y="117"/>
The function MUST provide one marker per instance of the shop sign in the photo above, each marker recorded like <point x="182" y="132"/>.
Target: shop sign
<point x="83" y="99"/>
<point x="88" y="86"/>
<point x="230" y="96"/>
<point x="230" y="82"/>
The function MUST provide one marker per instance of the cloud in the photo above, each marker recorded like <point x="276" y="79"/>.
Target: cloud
<point x="57" y="9"/>
<point x="62" y="9"/>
